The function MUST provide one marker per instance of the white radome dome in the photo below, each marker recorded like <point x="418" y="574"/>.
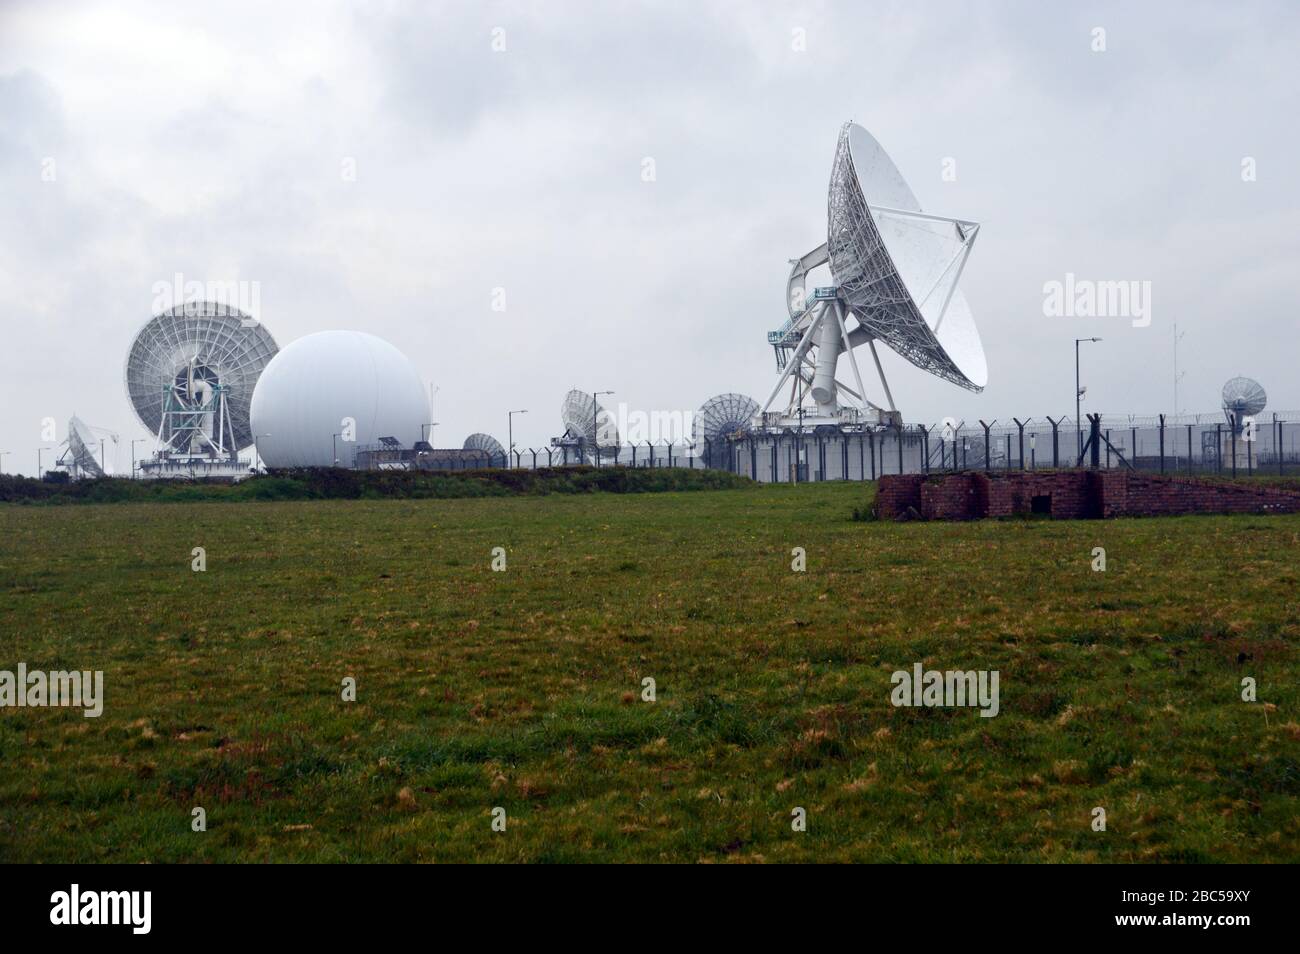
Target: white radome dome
<point x="313" y="384"/>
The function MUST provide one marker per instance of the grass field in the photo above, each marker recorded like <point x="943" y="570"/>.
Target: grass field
<point x="522" y="689"/>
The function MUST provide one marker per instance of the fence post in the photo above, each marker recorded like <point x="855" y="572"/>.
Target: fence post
<point x="1021" y="425"/>
<point x="1108" y="448"/>
<point x="900" y="446"/>
<point x="1162" y="443"/>
<point x="1232" y="423"/>
<point x="871" y="443"/>
<point x="988" y="457"/>
<point x="1277" y="444"/>
<point x="1056" y="440"/>
<point x="925" y="448"/>
<point x="1133" y="433"/>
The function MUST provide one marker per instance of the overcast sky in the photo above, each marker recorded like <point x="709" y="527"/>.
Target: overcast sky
<point x="141" y="140"/>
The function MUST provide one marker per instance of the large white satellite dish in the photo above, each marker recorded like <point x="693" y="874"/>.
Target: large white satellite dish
<point x="1242" y="398"/>
<point x="721" y="418"/>
<point x="190" y="375"/>
<point x="84" y="455"/>
<point x="896" y="271"/>
<point x="486" y="445"/>
<point x="589" y="425"/>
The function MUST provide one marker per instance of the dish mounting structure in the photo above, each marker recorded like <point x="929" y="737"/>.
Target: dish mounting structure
<point x="896" y="271"/>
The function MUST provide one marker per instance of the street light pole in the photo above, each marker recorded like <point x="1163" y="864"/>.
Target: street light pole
<point x="336" y="449"/>
<point x="595" y="422"/>
<point x="138" y="440"/>
<point x="257" y="455"/>
<point x="1177" y="338"/>
<point x="1078" y="398"/>
<point x="433" y="409"/>
<point x="510" y="435"/>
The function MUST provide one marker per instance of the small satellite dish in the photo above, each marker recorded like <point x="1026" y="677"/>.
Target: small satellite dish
<point x="719" y="418"/>
<point x="1242" y="398"/>
<point x="896" y="271"/>
<point x="83" y="456"/>
<point x="487" y="445"/>
<point x="587" y="421"/>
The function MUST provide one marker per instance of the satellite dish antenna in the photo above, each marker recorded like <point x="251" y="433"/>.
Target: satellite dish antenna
<point x="487" y="445"/>
<point x="896" y="271"/>
<point x="83" y="453"/>
<point x="190" y="375"/>
<point x="1242" y="398"/>
<point x="587" y="425"/>
<point x="719" y="418"/>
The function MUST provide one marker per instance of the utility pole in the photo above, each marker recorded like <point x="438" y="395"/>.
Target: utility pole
<point x="510" y="436"/>
<point x="1177" y="376"/>
<point x="1078" y="399"/>
<point x="595" y="423"/>
<point x="433" y="409"/>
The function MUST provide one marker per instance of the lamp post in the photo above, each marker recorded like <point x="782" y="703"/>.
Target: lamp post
<point x="38" y="460"/>
<point x="433" y="409"/>
<point x="1177" y="338"/>
<point x="1078" y="396"/>
<point x="3" y="455"/>
<point x="257" y="454"/>
<point x="510" y="435"/>
<point x="102" y="468"/>
<point x="336" y="450"/>
<point x="595" y="422"/>
<point x="138" y="440"/>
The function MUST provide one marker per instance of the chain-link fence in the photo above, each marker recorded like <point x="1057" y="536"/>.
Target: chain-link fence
<point x="1201" y="443"/>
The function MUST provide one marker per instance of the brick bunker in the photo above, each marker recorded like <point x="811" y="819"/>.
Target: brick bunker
<point x="1070" y="495"/>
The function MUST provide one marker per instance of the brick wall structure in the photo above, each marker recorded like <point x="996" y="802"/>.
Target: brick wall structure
<point x="1070" y="495"/>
